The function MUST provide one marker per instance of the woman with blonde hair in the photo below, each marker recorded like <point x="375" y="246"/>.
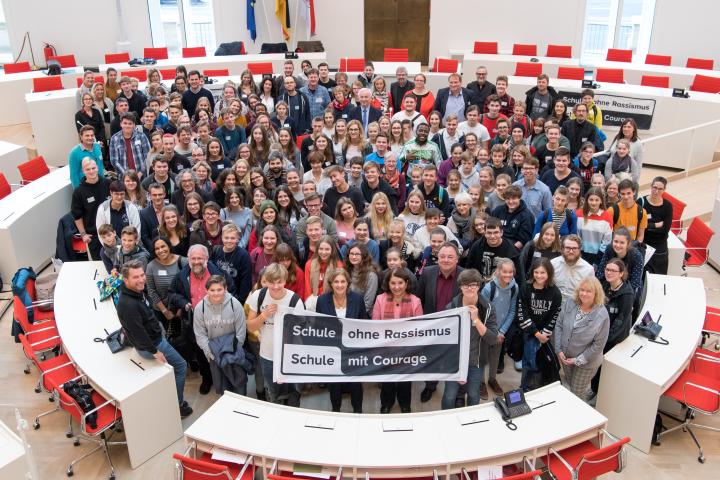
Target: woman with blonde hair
<point x="355" y="144"/>
<point x="414" y="214"/>
<point x="325" y="260"/>
<point x="580" y="335"/>
<point x="380" y="94"/>
<point x="247" y="85"/>
<point x="380" y="216"/>
<point x="397" y="238"/>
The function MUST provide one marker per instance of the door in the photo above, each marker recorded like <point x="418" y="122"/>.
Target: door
<point x="397" y="24"/>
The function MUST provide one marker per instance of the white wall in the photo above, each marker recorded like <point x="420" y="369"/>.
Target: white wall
<point x="687" y="29"/>
<point x="457" y="24"/>
<point x="344" y="38"/>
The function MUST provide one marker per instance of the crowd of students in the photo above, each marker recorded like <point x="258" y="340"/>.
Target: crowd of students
<point x="371" y="201"/>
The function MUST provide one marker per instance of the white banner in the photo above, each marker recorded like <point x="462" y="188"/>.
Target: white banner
<point x="311" y="347"/>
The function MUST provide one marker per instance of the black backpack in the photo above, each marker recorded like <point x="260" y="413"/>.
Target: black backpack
<point x="81" y="393"/>
<point x="261" y="296"/>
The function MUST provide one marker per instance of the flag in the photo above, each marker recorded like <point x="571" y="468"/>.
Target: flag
<point x="251" y="19"/>
<point x="282" y="12"/>
<point x="307" y="10"/>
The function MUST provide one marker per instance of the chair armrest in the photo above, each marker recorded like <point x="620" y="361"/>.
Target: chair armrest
<point x="706" y="358"/>
<point x="39" y="330"/>
<point x="84" y="416"/>
<point x="464" y="471"/>
<point x="251" y="461"/>
<point x="562" y="460"/>
<point x="189" y="448"/>
<point x="45" y="341"/>
<point x="57" y="368"/>
<point x="700" y="387"/>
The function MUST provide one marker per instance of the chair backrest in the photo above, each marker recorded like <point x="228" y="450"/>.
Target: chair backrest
<point x="33" y="169"/>
<point x="300" y="139"/>
<point x="559" y="51"/>
<point x="704" y="83"/>
<point x="445" y="65"/>
<point x="192" y="52"/>
<point x="65" y="61"/>
<point x="610" y="75"/>
<point x="524" y="476"/>
<point x="20" y="314"/>
<point x="18" y="67"/>
<point x="703" y="63"/>
<point x="524" y="49"/>
<point x="486" y="47"/>
<point x="698" y="238"/>
<point x="352" y="64"/>
<point x="5" y="188"/>
<point x="98" y="79"/>
<point x="47" y="84"/>
<point x="160" y="53"/>
<point x="194" y="469"/>
<point x="659" y="81"/>
<point x="141" y="75"/>
<point x="121" y="57"/>
<point x="527" y="69"/>
<point x="706" y="362"/>
<point x="652" y="59"/>
<point x="260" y="68"/>
<point x="220" y="72"/>
<point x="571" y="73"/>
<point x="28" y="350"/>
<point x="603" y="460"/>
<point x="396" y="55"/>
<point x="167" y="73"/>
<point x="678" y="207"/>
<point x="619" y="55"/>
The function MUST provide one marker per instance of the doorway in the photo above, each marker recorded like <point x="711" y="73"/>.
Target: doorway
<point x="397" y="24"/>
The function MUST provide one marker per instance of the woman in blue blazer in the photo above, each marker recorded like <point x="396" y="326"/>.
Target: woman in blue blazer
<point x="340" y="302"/>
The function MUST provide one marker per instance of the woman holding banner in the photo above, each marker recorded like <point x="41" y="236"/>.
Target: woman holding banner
<point x="483" y="335"/>
<point x="396" y="303"/>
<point x="340" y="302"/>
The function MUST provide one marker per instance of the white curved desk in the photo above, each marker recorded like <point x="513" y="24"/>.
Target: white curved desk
<point x="631" y="385"/>
<point x="147" y="396"/>
<point x="445" y="440"/>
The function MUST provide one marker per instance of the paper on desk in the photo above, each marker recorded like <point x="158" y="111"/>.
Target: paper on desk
<point x="313" y="471"/>
<point x="223" y="455"/>
<point x="397" y="425"/>
<point x="490" y="473"/>
<point x="648" y="253"/>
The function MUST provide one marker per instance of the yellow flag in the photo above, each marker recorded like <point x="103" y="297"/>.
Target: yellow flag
<point x="282" y="12"/>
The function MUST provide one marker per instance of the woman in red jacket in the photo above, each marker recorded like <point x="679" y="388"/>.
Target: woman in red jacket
<point x="296" y="277"/>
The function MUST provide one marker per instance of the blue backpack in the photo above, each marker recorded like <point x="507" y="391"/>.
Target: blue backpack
<point x="19" y="288"/>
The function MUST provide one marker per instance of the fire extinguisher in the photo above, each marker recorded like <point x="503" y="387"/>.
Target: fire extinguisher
<point x="49" y="51"/>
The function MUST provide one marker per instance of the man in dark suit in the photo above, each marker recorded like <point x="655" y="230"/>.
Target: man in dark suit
<point x="400" y="88"/>
<point x="150" y="214"/>
<point x="365" y="113"/>
<point x="454" y="99"/>
<point x="481" y="87"/>
<point x="437" y="286"/>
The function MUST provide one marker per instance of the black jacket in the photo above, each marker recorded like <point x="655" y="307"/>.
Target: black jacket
<point x="355" y="307"/>
<point x="148" y="227"/>
<point x="236" y="265"/>
<point x="481" y="93"/>
<point x="427" y="287"/>
<point x="397" y="92"/>
<point x="383" y="187"/>
<point x="179" y="293"/>
<point x="480" y="346"/>
<point x="137" y="318"/>
<point x="356" y="114"/>
<point x="619" y="305"/>
<point x="178" y="198"/>
<point x="86" y="199"/>
<point x="578" y="133"/>
<point x="300" y="116"/>
<point x="529" y="100"/>
<point x="438" y="139"/>
<point x="442" y="97"/>
<point x="517" y="225"/>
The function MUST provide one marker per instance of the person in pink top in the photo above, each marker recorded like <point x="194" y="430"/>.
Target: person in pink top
<point x="394" y="304"/>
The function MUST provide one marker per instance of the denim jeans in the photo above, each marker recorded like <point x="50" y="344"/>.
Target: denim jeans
<point x="276" y="392"/>
<point x="475" y="377"/>
<point x="175" y="360"/>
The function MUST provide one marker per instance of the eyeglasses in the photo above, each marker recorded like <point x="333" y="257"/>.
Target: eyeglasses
<point x="210" y="214"/>
<point x="470" y="285"/>
<point x="314" y="205"/>
<point x="354" y="254"/>
<point x="611" y="270"/>
<point x="660" y="189"/>
<point x="571" y="249"/>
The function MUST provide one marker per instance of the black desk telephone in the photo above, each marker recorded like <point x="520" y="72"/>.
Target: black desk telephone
<point x="648" y="328"/>
<point x="513" y="405"/>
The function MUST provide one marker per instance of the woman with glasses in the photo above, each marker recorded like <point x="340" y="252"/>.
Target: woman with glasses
<point x="660" y="214"/>
<point x="483" y="335"/>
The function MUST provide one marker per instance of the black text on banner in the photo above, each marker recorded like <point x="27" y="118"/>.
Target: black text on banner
<point x="616" y="109"/>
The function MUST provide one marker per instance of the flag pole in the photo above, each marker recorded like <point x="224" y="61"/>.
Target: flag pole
<point x="293" y="34"/>
<point x="267" y="21"/>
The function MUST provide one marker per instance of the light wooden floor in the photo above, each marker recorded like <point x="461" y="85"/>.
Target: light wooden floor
<point x="675" y="459"/>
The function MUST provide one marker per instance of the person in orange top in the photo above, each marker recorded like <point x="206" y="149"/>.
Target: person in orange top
<point x="424" y="97"/>
<point x="296" y="277"/>
<point x="325" y="260"/>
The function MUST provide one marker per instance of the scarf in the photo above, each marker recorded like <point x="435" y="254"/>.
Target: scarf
<point x="393" y="180"/>
<point x="340" y="106"/>
<point x="620" y="165"/>
<point x="382" y="98"/>
<point x="463" y="225"/>
<point x="405" y="307"/>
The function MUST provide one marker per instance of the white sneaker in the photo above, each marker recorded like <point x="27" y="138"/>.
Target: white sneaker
<point x="518" y="366"/>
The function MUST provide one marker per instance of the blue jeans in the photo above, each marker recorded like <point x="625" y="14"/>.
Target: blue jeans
<point x="276" y="392"/>
<point x="175" y="360"/>
<point x="475" y="377"/>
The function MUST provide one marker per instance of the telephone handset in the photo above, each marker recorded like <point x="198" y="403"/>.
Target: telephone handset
<point x="513" y="405"/>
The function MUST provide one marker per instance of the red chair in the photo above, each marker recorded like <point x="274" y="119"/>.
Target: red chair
<point x="527" y="69"/>
<point x="33" y="169"/>
<point x="619" y="55"/>
<point x="678" y="207"/>
<point x="486" y="47"/>
<point x="98" y="79"/>
<point x="38" y="315"/>
<point x="559" y="51"/>
<point x="711" y="327"/>
<point x="703" y="83"/>
<point x="700" y="394"/>
<point x="5" y="187"/>
<point x="702" y="63"/>
<point x="108" y="421"/>
<point x="610" y="75"/>
<point x="586" y="461"/>
<point x="517" y="476"/>
<point x="221" y="72"/>
<point x="300" y="139"/>
<point x="352" y="64"/>
<point x="18" y="67"/>
<point x="706" y="362"/>
<point x="696" y="244"/>
<point x="659" y="81"/>
<point x="524" y="476"/>
<point x="445" y="65"/>
<point x="65" y="61"/>
<point x="47" y="84"/>
<point x="651" y="59"/>
<point x="167" y="73"/>
<point x="193" y="52"/>
<point x="396" y="55"/>
<point x="121" y="57"/>
<point x="160" y="53"/>
<point x="43" y="336"/>
<point x="205" y="468"/>
<point x="141" y="75"/>
<point x="260" y="68"/>
<point x="571" y="73"/>
<point x="525" y="49"/>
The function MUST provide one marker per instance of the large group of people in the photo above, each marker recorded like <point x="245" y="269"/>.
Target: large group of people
<point x="370" y="200"/>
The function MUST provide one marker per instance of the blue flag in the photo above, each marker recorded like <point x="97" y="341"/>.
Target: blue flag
<point x="251" y="19"/>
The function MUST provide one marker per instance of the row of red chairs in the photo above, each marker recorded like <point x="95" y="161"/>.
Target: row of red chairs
<point x="622" y="55"/>
<point x="29" y="172"/>
<point x="531" y="50"/>
<point x="42" y="346"/>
